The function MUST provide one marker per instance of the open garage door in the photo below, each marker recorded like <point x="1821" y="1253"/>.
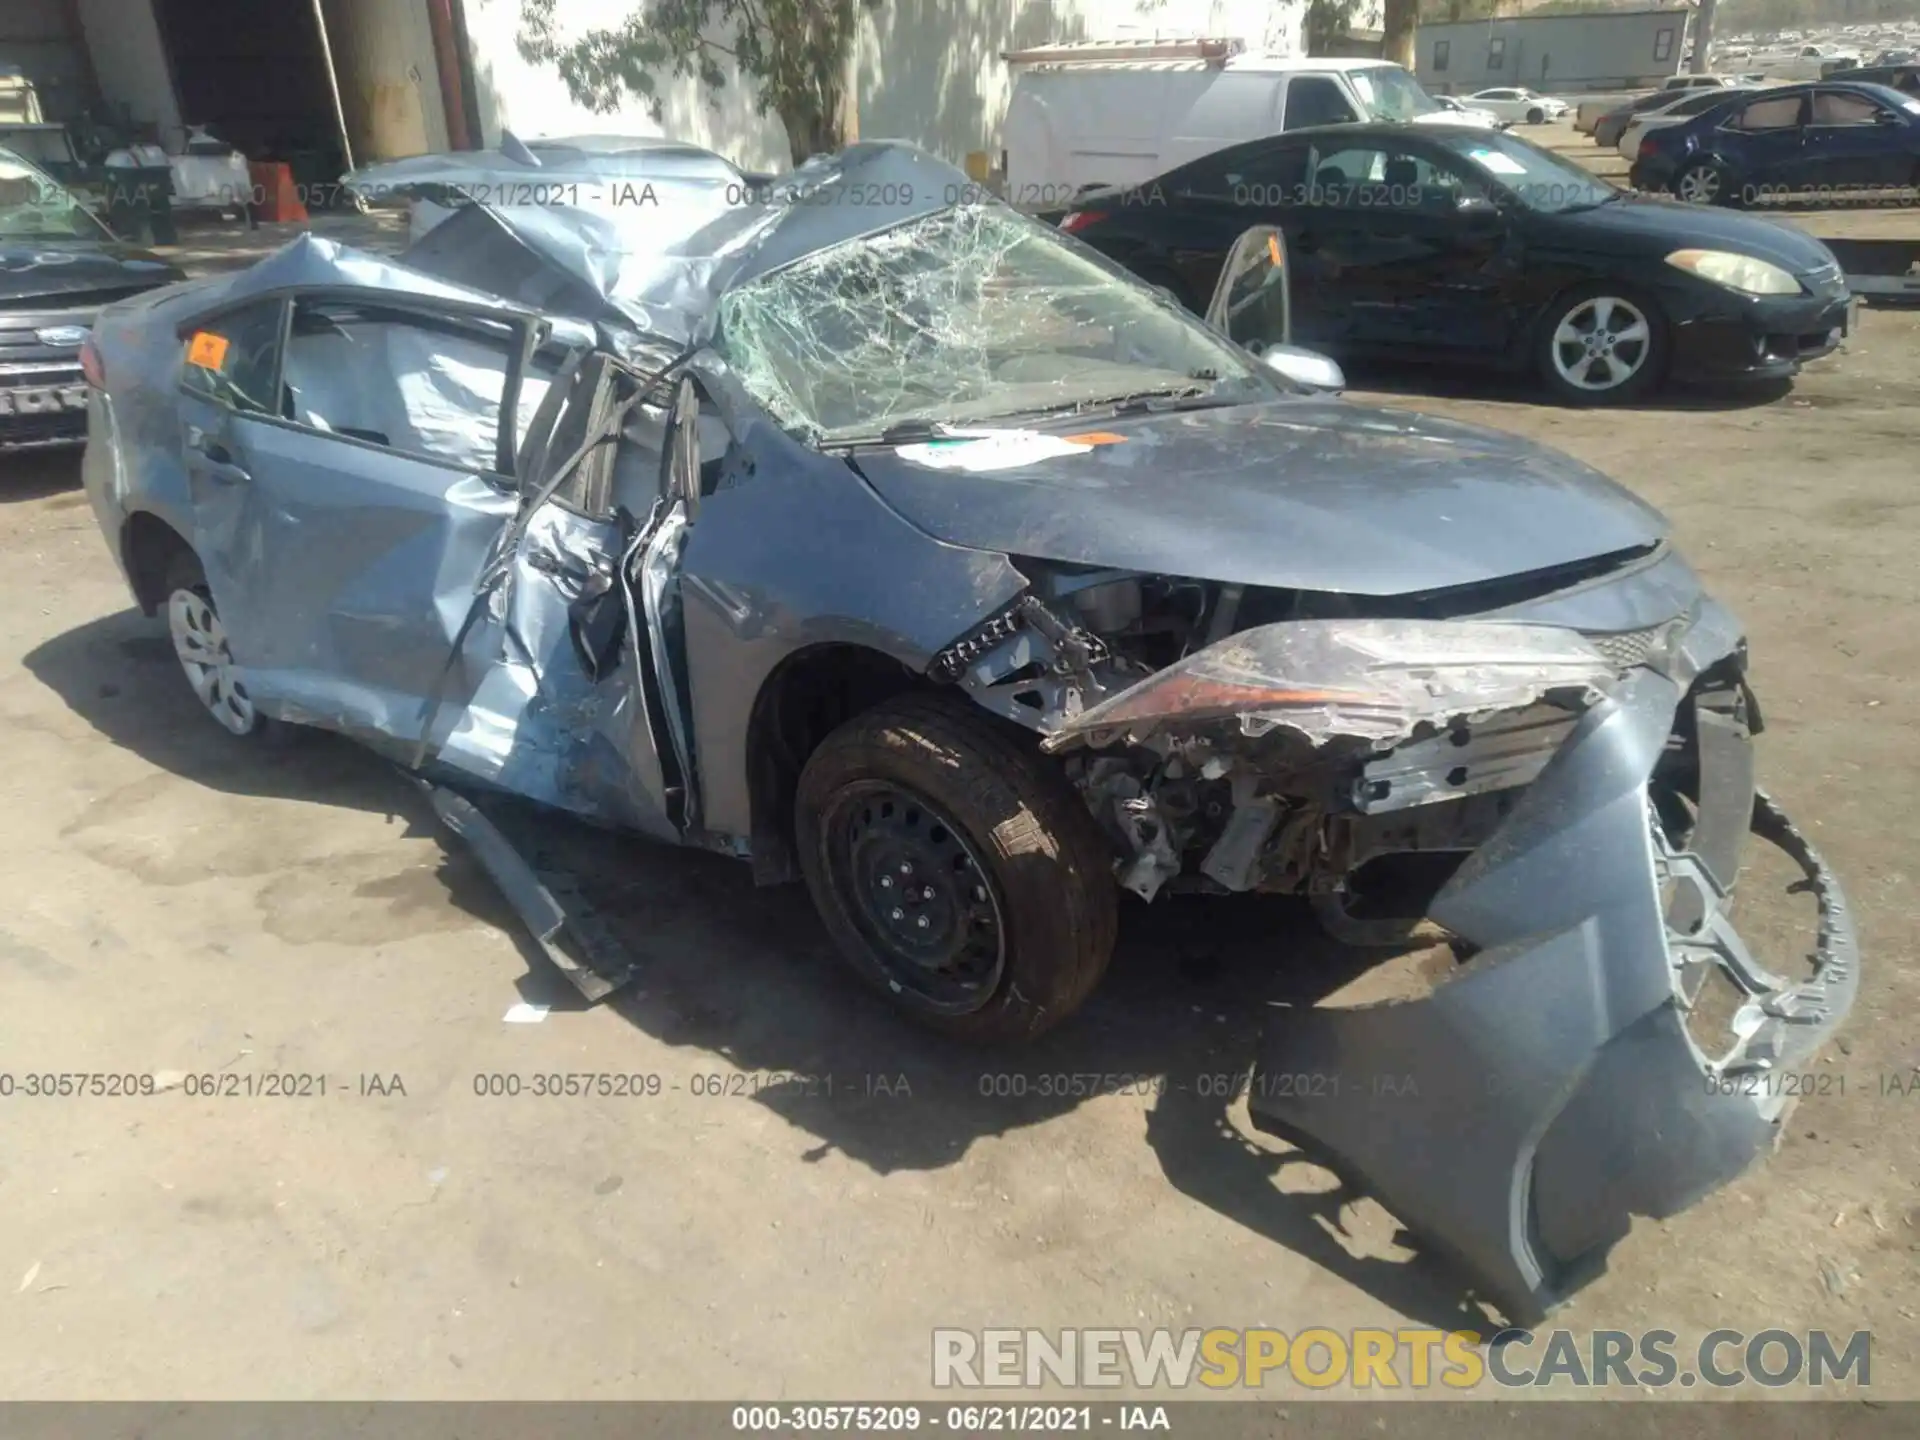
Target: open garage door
<point x="260" y="78"/>
<point x="41" y="39"/>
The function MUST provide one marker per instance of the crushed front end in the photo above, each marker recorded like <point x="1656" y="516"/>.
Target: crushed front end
<point x="1569" y="813"/>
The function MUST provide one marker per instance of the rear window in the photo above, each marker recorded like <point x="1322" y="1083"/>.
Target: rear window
<point x="234" y="360"/>
<point x="1780" y="114"/>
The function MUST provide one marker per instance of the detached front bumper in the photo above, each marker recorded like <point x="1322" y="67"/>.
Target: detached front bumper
<point x="1550" y="1089"/>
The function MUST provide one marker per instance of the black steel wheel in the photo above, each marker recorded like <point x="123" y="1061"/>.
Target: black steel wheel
<point x="922" y="900"/>
<point x="955" y="867"/>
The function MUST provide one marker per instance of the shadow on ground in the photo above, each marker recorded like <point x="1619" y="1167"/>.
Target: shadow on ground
<point x="747" y="975"/>
<point x="36" y="474"/>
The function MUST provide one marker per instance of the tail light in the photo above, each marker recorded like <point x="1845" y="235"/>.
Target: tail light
<point x="1075" y="221"/>
<point x="92" y="366"/>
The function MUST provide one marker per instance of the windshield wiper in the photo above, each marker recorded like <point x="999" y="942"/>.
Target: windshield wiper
<point x="901" y="432"/>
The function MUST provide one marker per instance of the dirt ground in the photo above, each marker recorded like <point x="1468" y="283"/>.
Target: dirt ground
<point x="177" y="904"/>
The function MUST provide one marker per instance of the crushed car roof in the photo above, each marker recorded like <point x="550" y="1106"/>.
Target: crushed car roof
<point x="663" y="252"/>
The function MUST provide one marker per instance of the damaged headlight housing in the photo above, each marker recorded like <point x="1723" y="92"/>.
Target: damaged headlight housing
<point x="1736" y="272"/>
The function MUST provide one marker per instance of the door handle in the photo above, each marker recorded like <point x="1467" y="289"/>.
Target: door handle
<point x="219" y="459"/>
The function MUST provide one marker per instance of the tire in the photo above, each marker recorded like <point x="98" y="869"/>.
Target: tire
<point x="1703" y="183"/>
<point x="1536" y="117"/>
<point x="1020" y="913"/>
<point x="1616" y="370"/>
<point x="194" y="626"/>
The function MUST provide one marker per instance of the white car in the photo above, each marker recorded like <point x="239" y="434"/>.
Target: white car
<point x="1466" y="114"/>
<point x="1683" y="108"/>
<point x="1518" y="105"/>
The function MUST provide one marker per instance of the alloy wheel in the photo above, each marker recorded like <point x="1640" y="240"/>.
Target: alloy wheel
<point x="1601" y="343"/>
<point x="1699" y="186"/>
<point x="918" y="893"/>
<point x="200" y="641"/>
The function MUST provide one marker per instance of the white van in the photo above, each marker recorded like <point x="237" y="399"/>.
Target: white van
<point x="1083" y="116"/>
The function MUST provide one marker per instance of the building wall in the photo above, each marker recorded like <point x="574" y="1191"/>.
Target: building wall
<point x="383" y="61"/>
<point x="1553" y="52"/>
<point x="929" y="71"/>
<point x="532" y="100"/>
<point x="129" y="61"/>
<point x="40" y="37"/>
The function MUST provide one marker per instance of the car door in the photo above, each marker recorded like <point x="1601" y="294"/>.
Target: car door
<point x="1766" y="140"/>
<point x="350" y="468"/>
<point x="1250" y="304"/>
<point x="1413" y="254"/>
<point x="1270" y="187"/>
<point x="1855" y="142"/>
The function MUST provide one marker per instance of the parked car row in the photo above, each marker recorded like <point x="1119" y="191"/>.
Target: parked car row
<point x="58" y="265"/>
<point x="1795" y="143"/>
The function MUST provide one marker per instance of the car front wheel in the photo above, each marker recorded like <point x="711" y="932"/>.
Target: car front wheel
<point x="200" y="643"/>
<point x="957" y="871"/>
<point x="1536" y="117"/>
<point x="1601" y="345"/>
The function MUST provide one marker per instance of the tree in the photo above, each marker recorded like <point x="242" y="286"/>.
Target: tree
<point x="1327" y="23"/>
<point x="1397" y="23"/>
<point x="796" y="53"/>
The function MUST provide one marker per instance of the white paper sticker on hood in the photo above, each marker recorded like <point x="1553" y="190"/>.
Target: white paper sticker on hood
<point x="978" y="450"/>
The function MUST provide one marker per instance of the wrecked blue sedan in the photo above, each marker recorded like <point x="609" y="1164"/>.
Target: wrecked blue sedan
<point x="885" y="539"/>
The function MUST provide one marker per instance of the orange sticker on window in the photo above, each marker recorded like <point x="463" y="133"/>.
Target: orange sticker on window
<point x="207" y="350"/>
<point x="1273" y="249"/>
<point x="1095" y="437"/>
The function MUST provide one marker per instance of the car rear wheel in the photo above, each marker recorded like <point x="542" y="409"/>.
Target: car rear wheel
<point x="1601" y="345"/>
<point x="957" y="871"/>
<point x="206" y="659"/>
<point x="1702" y="183"/>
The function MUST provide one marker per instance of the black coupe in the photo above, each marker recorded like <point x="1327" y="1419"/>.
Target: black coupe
<point x="1482" y="248"/>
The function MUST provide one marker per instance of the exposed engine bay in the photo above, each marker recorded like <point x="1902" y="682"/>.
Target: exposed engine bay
<point x="1234" y="738"/>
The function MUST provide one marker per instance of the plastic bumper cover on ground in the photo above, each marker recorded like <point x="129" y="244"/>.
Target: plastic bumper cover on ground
<point x="1520" y="1114"/>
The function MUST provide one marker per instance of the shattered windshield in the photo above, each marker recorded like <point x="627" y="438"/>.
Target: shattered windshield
<point x="1390" y="93"/>
<point x="969" y="314"/>
<point x="33" y="206"/>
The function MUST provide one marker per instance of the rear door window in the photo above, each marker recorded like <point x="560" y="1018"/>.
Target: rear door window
<point x="1277" y="176"/>
<point x="233" y="359"/>
<point x="428" y="385"/>
<point x="1779" y="114"/>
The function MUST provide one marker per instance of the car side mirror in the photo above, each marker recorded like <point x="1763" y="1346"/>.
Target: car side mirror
<point x="1305" y="367"/>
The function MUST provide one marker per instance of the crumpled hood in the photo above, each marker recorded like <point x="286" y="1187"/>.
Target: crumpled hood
<point x="1309" y="494"/>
